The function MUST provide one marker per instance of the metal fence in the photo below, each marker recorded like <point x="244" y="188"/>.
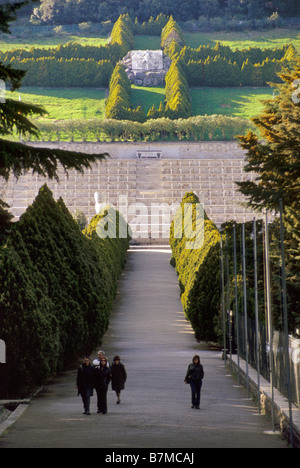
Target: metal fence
<point x="280" y="377"/>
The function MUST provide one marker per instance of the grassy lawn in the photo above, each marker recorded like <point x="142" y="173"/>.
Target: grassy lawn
<point x="236" y="102"/>
<point x="146" y="97"/>
<point x="240" y="40"/>
<point x="147" y="42"/>
<point x="88" y="103"/>
<point x="44" y="42"/>
<point x="236" y="40"/>
<point x="66" y="103"/>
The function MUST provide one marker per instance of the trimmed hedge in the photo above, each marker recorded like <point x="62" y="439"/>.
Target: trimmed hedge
<point x="52" y="72"/>
<point x="220" y="66"/>
<point x="199" y="128"/>
<point x="198" y="274"/>
<point x="57" y="289"/>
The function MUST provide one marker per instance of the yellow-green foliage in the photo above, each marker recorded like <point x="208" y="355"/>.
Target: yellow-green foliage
<point x="177" y="93"/>
<point x="198" y="274"/>
<point x="171" y="32"/>
<point x="122" y="33"/>
<point x="119" y="99"/>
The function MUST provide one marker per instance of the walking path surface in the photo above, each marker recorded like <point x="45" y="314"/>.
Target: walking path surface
<point x="156" y="343"/>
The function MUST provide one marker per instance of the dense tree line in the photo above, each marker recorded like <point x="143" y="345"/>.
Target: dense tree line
<point x="77" y="11"/>
<point x="68" y="51"/>
<point x="221" y="66"/>
<point x="57" y="288"/>
<point x="66" y="65"/>
<point x="51" y="72"/>
<point x="198" y="268"/>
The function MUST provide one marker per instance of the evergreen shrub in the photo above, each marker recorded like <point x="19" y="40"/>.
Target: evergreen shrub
<point x="198" y="274"/>
<point x="56" y="293"/>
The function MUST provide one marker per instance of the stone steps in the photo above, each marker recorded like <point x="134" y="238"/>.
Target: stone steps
<point x="141" y="184"/>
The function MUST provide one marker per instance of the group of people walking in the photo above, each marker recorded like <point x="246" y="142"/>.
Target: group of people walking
<point x="98" y="376"/>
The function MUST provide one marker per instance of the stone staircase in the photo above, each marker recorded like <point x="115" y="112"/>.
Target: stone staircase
<point x="150" y="189"/>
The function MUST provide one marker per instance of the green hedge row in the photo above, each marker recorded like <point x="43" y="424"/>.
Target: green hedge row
<point x="239" y="56"/>
<point x="221" y="66"/>
<point x="198" y="128"/>
<point x="57" y="289"/>
<point x="52" y="72"/>
<point x="198" y="269"/>
<point x="72" y="50"/>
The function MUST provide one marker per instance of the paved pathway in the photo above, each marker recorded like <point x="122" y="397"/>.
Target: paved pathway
<point x="156" y="344"/>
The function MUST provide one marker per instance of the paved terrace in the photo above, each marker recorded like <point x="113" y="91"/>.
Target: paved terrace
<point x="156" y="344"/>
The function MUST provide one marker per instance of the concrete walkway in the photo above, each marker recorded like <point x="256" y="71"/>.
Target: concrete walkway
<point x="156" y="344"/>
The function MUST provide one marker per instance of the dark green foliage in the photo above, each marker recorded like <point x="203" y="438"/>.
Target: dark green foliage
<point x="220" y="66"/>
<point x="77" y="11"/>
<point x="57" y="288"/>
<point x="198" y="273"/>
<point x="70" y="65"/>
<point x="152" y="27"/>
<point x="275" y="160"/>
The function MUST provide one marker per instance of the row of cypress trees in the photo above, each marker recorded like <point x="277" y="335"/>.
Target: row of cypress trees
<point x="198" y="268"/>
<point x="57" y="289"/>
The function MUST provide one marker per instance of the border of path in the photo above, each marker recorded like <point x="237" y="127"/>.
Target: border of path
<point x="14" y="416"/>
<point x="280" y="402"/>
<point x="18" y="412"/>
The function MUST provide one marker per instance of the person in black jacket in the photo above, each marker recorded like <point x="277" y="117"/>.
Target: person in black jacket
<point x="85" y="383"/>
<point x="118" y="376"/>
<point x="194" y="377"/>
<point x="102" y="378"/>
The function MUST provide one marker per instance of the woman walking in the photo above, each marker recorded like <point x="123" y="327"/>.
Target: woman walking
<point x="102" y="379"/>
<point x="194" y="377"/>
<point x="119" y="377"/>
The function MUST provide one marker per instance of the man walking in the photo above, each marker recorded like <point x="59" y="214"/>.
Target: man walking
<point x="85" y="383"/>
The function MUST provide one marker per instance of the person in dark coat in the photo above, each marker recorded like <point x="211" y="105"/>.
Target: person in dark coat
<point x="119" y="377"/>
<point x="102" y="380"/>
<point x="194" y="377"/>
<point x="85" y="383"/>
